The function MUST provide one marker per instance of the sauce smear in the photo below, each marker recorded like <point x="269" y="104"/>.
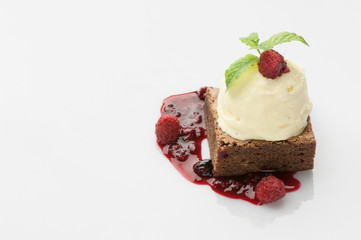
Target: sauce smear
<point x="186" y="152"/>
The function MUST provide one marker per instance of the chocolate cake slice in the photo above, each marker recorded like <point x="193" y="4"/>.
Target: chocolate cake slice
<point x="231" y="156"/>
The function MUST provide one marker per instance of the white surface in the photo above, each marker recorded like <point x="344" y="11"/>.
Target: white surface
<point x="81" y="84"/>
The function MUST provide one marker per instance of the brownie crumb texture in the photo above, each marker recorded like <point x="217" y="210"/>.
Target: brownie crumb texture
<point x="231" y="156"/>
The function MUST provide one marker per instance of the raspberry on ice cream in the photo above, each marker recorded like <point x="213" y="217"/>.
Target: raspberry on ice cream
<point x="270" y="189"/>
<point x="167" y="129"/>
<point x="271" y="64"/>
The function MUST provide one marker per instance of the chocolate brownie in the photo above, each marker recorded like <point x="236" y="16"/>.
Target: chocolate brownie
<point x="231" y="156"/>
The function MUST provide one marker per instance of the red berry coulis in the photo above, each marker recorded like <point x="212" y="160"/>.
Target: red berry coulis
<point x="186" y="151"/>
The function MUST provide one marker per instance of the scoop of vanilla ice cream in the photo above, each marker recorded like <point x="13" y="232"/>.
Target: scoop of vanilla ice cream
<point x="260" y="108"/>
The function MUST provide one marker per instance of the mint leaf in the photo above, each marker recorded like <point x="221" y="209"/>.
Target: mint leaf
<point x="280" y="38"/>
<point x="252" y="40"/>
<point x="238" y="67"/>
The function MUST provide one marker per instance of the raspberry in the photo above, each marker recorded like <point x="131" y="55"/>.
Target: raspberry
<point x="270" y="189"/>
<point x="202" y="93"/>
<point x="271" y="64"/>
<point x="167" y="129"/>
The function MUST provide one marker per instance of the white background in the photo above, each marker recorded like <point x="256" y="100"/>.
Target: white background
<point x="81" y="85"/>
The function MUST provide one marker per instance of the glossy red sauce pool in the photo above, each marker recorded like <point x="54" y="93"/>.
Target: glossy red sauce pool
<point x="186" y="152"/>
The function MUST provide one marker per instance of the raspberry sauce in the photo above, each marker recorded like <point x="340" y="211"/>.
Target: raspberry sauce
<point x="186" y="152"/>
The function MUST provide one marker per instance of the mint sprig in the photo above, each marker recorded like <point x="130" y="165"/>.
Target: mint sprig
<point x="238" y="67"/>
<point x="252" y="40"/>
<point x="278" y="39"/>
<point x="234" y="72"/>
